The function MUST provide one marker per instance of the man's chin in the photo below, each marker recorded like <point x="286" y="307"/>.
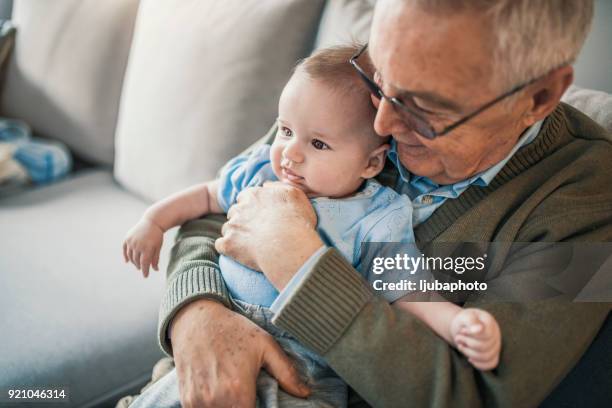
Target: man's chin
<point x="412" y="152"/>
<point x="416" y="159"/>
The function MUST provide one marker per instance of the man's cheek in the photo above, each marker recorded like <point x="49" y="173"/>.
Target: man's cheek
<point x="375" y="101"/>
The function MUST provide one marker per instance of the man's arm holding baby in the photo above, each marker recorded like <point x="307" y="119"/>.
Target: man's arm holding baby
<point x="333" y="311"/>
<point x="217" y="352"/>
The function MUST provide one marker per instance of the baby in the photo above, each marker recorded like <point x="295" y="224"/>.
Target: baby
<point x="325" y="146"/>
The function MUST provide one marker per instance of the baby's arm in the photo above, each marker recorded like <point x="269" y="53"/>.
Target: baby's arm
<point x="185" y="205"/>
<point x="143" y="242"/>
<point x="474" y="332"/>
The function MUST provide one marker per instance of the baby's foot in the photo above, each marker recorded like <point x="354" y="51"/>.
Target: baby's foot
<point x="476" y="334"/>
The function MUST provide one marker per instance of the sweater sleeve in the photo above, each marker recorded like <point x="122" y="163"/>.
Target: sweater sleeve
<point x="390" y="357"/>
<point x="193" y="272"/>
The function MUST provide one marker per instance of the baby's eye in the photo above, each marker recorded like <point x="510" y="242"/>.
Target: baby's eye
<point x="286" y="131"/>
<point x="319" y="145"/>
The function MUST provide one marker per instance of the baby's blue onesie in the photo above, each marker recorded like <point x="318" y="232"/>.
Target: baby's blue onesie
<point x="374" y="214"/>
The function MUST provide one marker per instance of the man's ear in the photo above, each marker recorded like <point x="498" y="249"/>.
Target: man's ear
<point x="548" y="93"/>
<point x="376" y="161"/>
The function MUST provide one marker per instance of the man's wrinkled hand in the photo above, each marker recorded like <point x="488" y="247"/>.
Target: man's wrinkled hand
<point x="271" y="229"/>
<point x="218" y="355"/>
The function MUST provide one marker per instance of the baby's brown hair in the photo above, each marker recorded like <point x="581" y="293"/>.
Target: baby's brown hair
<point x="331" y="66"/>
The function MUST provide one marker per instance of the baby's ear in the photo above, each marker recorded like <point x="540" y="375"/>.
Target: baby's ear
<point x="376" y="161"/>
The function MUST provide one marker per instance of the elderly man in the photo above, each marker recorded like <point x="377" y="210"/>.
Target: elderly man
<point x="470" y="92"/>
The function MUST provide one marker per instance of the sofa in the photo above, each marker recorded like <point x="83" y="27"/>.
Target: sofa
<point x="150" y="96"/>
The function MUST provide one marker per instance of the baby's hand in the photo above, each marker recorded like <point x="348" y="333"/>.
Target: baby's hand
<point x="142" y="245"/>
<point x="477" y="335"/>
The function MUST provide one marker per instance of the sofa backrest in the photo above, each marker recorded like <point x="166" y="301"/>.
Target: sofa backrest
<point x="66" y="71"/>
<point x="198" y="84"/>
<point x="345" y="21"/>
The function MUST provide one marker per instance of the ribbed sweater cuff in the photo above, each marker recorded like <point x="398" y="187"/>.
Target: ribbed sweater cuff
<point x="325" y="304"/>
<point x="202" y="282"/>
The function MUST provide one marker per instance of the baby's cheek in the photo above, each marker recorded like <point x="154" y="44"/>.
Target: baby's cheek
<point x="332" y="184"/>
<point x="326" y="183"/>
<point x="275" y="159"/>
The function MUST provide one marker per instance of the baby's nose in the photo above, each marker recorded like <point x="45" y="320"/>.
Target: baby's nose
<point x="293" y="152"/>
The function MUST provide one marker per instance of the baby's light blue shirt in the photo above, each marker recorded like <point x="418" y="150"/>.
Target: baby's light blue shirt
<point x="374" y="214"/>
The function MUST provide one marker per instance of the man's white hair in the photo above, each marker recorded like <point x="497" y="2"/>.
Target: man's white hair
<point x="531" y="37"/>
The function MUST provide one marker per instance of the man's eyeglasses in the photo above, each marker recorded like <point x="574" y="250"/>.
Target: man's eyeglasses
<point x="409" y="112"/>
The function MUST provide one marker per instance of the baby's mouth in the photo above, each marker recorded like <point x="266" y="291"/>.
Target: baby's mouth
<point x="291" y="176"/>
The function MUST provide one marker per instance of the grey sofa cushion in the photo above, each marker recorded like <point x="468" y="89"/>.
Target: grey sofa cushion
<point x="65" y="73"/>
<point x="71" y="312"/>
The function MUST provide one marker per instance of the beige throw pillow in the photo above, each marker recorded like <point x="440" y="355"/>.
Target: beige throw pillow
<point x="202" y="84"/>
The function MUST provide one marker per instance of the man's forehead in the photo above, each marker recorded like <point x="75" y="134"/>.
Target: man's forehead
<point x="423" y="52"/>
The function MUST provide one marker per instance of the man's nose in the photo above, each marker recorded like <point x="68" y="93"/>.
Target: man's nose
<point x="293" y="151"/>
<point x="387" y="121"/>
